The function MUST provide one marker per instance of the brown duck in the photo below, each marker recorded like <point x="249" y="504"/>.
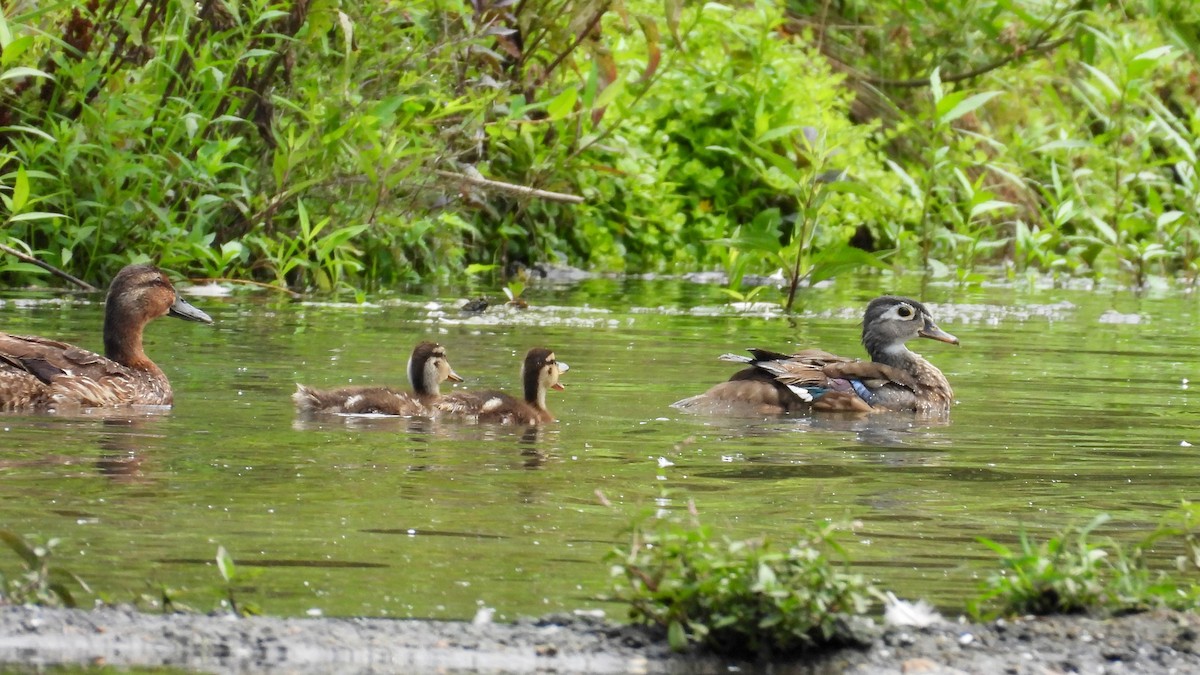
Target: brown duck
<point x="428" y="367"/>
<point x="895" y="378"/>
<point x="39" y="374"/>
<point x="539" y="371"/>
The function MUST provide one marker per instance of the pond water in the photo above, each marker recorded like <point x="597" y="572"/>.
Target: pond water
<point x="1070" y="403"/>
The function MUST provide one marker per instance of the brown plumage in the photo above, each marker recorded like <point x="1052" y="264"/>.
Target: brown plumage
<point x="39" y="374"/>
<point x="427" y="368"/>
<point x="539" y="371"/>
<point x="895" y="378"/>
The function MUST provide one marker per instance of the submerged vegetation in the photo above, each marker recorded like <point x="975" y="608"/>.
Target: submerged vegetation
<point x="326" y="145"/>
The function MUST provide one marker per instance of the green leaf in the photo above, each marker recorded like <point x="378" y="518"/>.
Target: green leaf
<point x="967" y="105"/>
<point x="990" y="205"/>
<point x="478" y="268"/>
<point x="6" y="37"/>
<point x="1104" y="79"/>
<point x="225" y="564"/>
<point x="24" y="71"/>
<point x="20" y="194"/>
<point x="19" y="546"/>
<point x="34" y="215"/>
<point x="935" y="84"/>
<point x="840" y="259"/>
<point x="563" y="104"/>
<point x="677" y="636"/>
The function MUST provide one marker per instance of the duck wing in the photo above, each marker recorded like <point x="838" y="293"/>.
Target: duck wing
<point x="358" y="401"/>
<point x="490" y="406"/>
<point x="39" y="373"/>
<point x="837" y="383"/>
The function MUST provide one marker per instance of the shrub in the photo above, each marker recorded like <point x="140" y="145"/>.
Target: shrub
<point x="739" y="596"/>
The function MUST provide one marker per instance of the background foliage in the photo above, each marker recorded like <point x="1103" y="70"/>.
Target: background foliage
<point x="321" y="144"/>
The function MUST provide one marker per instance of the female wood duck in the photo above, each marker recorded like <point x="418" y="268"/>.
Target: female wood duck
<point x="895" y="378"/>
<point x="427" y="369"/>
<point x="39" y="374"/>
<point x="540" y="371"/>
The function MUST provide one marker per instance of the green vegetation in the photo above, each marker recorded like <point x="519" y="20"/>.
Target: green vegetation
<point x="325" y="145"/>
<point x="1072" y="573"/>
<point x="739" y="596"/>
<point x="38" y="582"/>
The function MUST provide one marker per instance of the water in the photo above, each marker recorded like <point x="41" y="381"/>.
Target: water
<point x="1071" y="403"/>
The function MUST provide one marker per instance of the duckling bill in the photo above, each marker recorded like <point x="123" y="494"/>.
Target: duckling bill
<point x="427" y="368"/>
<point x="540" y="371"/>
<point x="40" y="374"/>
<point x="895" y="379"/>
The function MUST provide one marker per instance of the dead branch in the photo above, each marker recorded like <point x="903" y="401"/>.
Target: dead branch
<point x="48" y="267"/>
<point x="510" y="187"/>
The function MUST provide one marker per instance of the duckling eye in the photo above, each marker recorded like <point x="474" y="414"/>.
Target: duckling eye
<point x="904" y="312"/>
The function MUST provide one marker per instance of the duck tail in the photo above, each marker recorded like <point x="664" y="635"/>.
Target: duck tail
<point x="307" y="399"/>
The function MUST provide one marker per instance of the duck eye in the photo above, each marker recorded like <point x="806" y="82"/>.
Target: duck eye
<point x="904" y="312"/>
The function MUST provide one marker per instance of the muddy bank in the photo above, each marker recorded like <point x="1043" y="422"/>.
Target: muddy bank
<point x="1158" y="642"/>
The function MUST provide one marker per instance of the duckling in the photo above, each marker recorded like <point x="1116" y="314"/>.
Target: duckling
<point x="39" y="374"/>
<point x="539" y="371"/>
<point x="427" y="368"/>
<point x="895" y="379"/>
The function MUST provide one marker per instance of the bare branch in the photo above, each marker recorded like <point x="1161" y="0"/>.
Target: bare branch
<point x="510" y="187"/>
<point x="48" y="267"/>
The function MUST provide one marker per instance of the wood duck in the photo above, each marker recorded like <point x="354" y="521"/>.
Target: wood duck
<point x="39" y="374"/>
<point x="427" y="369"/>
<point x="895" y="379"/>
<point x="539" y="371"/>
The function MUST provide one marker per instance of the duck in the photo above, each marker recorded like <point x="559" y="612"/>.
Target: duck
<point x="539" y="371"/>
<point x="896" y="379"/>
<point x="427" y="368"/>
<point x="38" y="374"/>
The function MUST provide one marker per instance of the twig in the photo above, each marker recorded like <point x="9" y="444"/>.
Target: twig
<point x="1041" y="43"/>
<point x="1036" y="48"/>
<point x="48" y="267"/>
<point x="510" y="187"/>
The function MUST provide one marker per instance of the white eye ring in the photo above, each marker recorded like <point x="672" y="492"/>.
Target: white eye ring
<point x="905" y="312"/>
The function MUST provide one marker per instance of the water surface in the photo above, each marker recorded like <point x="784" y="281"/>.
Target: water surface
<point x="1070" y="403"/>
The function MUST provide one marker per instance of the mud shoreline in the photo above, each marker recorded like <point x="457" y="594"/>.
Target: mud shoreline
<point x="35" y="637"/>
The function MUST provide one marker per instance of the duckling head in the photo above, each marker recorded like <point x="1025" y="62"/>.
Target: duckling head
<point x="428" y="367"/>
<point x="540" y="371"/>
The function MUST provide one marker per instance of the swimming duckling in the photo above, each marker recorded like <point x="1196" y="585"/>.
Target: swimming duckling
<point x="427" y="369"/>
<point x="539" y="371"/>
<point x="39" y="374"/>
<point x="895" y="378"/>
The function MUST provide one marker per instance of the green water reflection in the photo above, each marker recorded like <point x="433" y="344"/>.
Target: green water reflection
<point x="1070" y="403"/>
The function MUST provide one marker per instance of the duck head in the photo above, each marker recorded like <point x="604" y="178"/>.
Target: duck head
<point x="891" y="321"/>
<point x="138" y="295"/>
<point x="428" y="367"/>
<point x="539" y="372"/>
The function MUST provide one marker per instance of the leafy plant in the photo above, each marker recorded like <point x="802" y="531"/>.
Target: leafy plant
<point x="1073" y="573"/>
<point x="232" y="576"/>
<point x="738" y="596"/>
<point x="39" y="582"/>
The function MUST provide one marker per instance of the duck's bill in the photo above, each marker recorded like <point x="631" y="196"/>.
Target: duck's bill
<point x="182" y="309"/>
<point x="454" y="377"/>
<point x="558" y="386"/>
<point x="932" y="332"/>
<point x="562" y="367"/>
